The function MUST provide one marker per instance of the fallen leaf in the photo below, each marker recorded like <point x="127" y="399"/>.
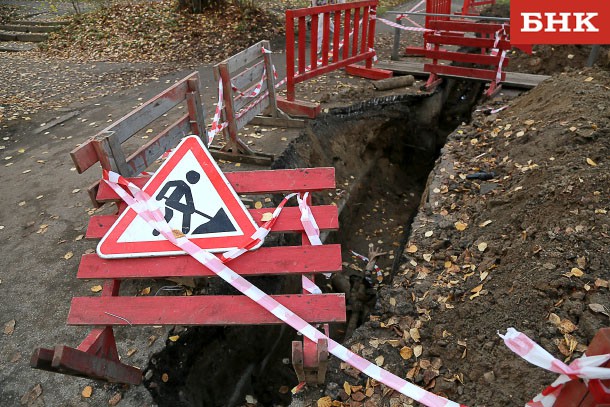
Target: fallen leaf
<point x="406" y="352"/>
<point x="427" y="256"/>
<point x="358" y="396"/>
<point x="575" y="272"/>
<point x="347" y="388"/>
<point x="9" y="327"/>
<point x="114" y="400"/>
<point x="164" y="377"/>
<point x="414" y="332"/>
<point x="591" y="162"/>
<point x="589" y="79"/>
<point x="149" y="130"/>
<point x="174" y="338"/>
<point x="75" y="190"/>
<point x="554" y="319"/>
<point x="459" y="225"/>
<point x="258" y="204"/>
<point x="428" y="233"/>
<point x="68" y="255"/>
<point x="131" y="352"/>
<point x="145" y="291"/>
<point x="87" y="392"/>
<point x="325" y="402"/>
<point x="484" y="275"/>
<point x="411" y="249"/>
<point x="96" y="288"/>
<point x="267" y="216"/>
<point x="418" y="350"/>
<point x="31" y="396"/>
<point x="482" y="246"/>
<point x="483" y="224"/>
<point x="599" y="308"/>
<point x="566" y="326"/>
<point x="379" y="360"/>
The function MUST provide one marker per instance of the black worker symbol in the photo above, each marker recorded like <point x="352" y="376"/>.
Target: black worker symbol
<point x="181" y="200"/>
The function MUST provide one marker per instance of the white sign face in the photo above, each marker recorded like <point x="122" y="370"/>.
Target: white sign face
<point x="195" y="198"/>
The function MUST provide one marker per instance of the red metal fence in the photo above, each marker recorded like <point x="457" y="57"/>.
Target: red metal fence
<point x="438" y="7"/>
<point x="347" y="37"/>
<point x="469" y="7"/>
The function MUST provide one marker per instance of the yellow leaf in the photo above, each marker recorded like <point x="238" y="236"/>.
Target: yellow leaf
<point x="21" y="151"/>
<point x="427" y="256"/>
<point x="258" y="204"/>
<point x="483" y="224"/>
<point x="411" y="249"/>
<point x="566" y="326"/>
<point x="379" y="360"/>
<point x="131" y="352"/>
<point x="575" y="272"/>
<point x="347" y="388"/>
<point x="484" y="275"/>
<point x="477" y="288"/>
<point x="406" y="352"/>
<point x="87" y="391"/>
<point x="591" y="162"/>
<point x="554" y="319"/>
<point x="418" y="350"/>
<point x="267" y="216"/>
<point x="149" y="130"/>
<point x="482" y="246"/>
<point x="459" y="225"/>
<point x="428" y="233"/>
<point x="174" y="338"/>
<point x="164" y="377"/>
<point x="96" y="288"/>
<point x="68" y="255"/>
<point x="325" y="402"/>
<point x="414" y="332"/>
<point x="369" y="392"/>
<point x="145" y="291"/>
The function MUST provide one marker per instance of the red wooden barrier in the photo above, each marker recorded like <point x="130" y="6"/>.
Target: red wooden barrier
<point x="348" y="37"/>
<point x="487" y="37"/>
<point x="97" y="356"/>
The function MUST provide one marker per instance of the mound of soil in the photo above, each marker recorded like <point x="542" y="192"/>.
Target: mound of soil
<point x="527" y="249"/>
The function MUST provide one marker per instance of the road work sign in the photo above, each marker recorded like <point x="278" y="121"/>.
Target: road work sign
<point x="196" y="199"/>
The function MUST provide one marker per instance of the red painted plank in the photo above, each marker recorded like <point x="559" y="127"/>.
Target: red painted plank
<point x="334" y="66"/>
<point x="336" y="33"/>
<point x="462" y="72"/>
<point x="356" y="32"/>
<point x="302" y="44"/>
<point x="201" y="310"/>
<point x="369" y="73"/>
<point x="289" y="221"/>
<point x="302" y="12"/>
<point x="467" y="41"/>
<point x="325" y="38"/>
<point x="290" y="55"/>
<point x="264" y="261"/>
<point x="260" y="182"/>
<point x="313" y="47"/>
<point x="347" y="18"/>
<point x="464" y="57"/>
<point x="84" y="156"/>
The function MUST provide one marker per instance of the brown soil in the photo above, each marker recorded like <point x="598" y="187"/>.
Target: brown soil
<point x="547" y="205"/>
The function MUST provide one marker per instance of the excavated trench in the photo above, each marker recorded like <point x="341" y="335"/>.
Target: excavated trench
<point x="382" y="150"/>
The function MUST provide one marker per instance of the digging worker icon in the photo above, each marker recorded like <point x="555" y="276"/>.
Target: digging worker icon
<point x="181" y="200"/>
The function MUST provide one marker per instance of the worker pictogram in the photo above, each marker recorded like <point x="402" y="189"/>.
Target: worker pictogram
<point x="196" y="200"/>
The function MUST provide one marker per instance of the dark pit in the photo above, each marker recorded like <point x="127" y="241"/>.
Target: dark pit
<point x="383" y="150"/>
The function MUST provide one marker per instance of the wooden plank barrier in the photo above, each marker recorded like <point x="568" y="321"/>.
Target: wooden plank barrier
<point x="106" y="146"/>
<point x="347" y="38"/>
<point x="97" y="356"/>
<point x="487" y="65"/>
<point x="248" y="91"/>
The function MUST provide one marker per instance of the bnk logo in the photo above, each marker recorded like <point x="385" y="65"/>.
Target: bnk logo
<point x="560" y="21"/>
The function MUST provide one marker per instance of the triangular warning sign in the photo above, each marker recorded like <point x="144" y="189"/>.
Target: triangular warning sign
<point x="196" y="199"/>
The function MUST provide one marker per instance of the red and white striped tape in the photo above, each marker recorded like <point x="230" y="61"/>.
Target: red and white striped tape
<point x="146" y="207"/>
<point x="586" y="367"/>
<point x="217" y="127"/>
<point x="400" y="26"/>
<point x="366" y="260"/>
<point x="256" y="90"/>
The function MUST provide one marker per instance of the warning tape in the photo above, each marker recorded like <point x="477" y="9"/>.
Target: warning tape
<point x="257" y="88"/>
<point x="145" y="206"/>
<point x="586" y="368"/>
<point x="366" y="260"/>
<point x="217" y="127"/>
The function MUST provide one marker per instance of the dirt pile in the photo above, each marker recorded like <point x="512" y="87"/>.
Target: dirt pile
<point x="514" y="233"/>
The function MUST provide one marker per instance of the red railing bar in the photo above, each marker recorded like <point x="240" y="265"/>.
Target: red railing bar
<point x="313" y="45"/>
<point x="371" y="39"/>
<point x="333" y="66"/>
<point x="346" y="28"/>
<point x="365" y="32"/>
<point x="289" y="55"/>
<point x="302" y="12"/>
<point x="325" y="38"/>
<point x="356" y="32"/>
<point x="336" y="35"/>
<point x="302" y="44"/>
